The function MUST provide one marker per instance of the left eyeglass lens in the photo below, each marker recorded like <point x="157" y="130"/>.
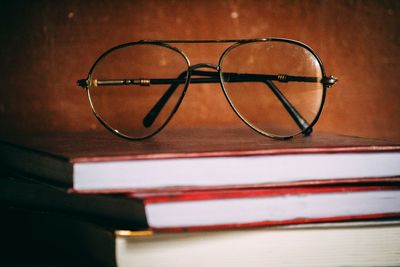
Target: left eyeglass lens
<point x="128" y="82"/>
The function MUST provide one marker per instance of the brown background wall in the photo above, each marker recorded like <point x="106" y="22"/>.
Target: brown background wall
<point x="47" y="45"/>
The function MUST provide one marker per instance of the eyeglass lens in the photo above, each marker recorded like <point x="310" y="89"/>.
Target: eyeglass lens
<point x="120" y="92"/>
<point x="274" y="105"/>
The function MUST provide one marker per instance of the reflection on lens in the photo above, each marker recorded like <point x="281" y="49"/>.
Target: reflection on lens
<point x="135" y="88"/>
<point x="274" y="86"/>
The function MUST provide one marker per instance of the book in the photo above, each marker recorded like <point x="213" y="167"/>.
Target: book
<point x="347" y="244"/>
<point x="196" y="158"/>
<point x="51" y="238"/>
<point x="215" y="209"/>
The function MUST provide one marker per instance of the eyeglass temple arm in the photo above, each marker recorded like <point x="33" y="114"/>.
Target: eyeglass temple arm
<point x="298" y="119"/>
<point x="152" y="115"/>
<point x="213" y="78"/>
<point x="233" y="77"/>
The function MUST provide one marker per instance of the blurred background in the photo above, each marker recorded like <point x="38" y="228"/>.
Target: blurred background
<point x="47" y="45"/>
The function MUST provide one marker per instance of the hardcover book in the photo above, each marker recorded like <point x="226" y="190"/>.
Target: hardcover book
<point x="215" y="209"/>
<point x="192" y="159"/>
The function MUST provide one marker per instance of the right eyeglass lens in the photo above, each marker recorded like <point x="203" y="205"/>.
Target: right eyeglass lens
<point x="274" y="86"/>
<point x="134" y="89"/>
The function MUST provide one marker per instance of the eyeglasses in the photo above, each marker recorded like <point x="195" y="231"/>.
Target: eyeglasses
<point x="276" y="86"/>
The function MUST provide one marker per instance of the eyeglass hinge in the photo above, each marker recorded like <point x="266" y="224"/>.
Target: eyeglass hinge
<point x="84" y="83"/>
<point x="329" y="81"/>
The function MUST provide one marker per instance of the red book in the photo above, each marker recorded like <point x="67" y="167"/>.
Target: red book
<point x="192" y="159"/>
<point x="269" y="207"/>
<point x="217" y="209"/>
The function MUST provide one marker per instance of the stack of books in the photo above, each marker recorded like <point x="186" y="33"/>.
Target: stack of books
<point x="202" y="197"/>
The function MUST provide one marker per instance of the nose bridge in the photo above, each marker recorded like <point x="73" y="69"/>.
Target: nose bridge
<point x="203" y="65"/>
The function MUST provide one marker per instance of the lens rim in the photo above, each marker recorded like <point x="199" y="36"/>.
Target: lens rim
<point x="284" y="40"/>
<point x="104" y="55"/>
